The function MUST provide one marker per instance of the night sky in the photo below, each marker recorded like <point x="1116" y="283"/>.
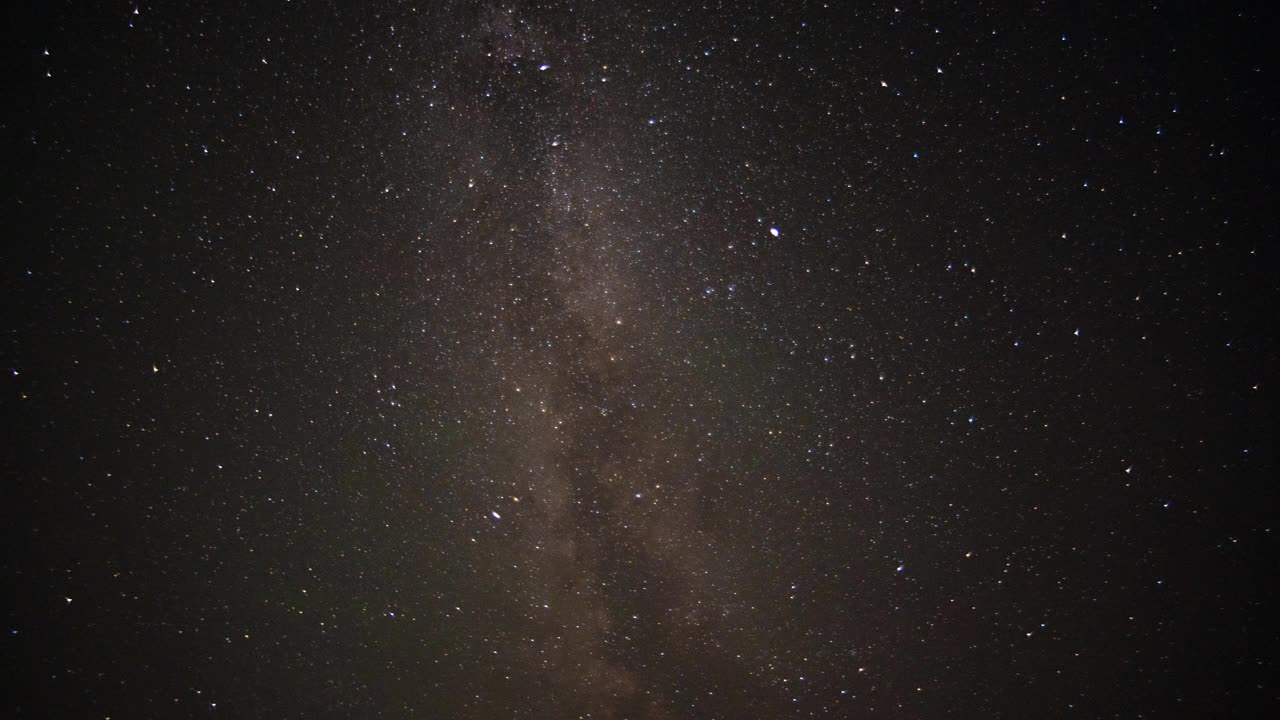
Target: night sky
<point x="639" y="361"/>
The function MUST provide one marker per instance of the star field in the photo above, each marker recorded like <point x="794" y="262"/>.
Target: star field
<point x="647" y="361"/>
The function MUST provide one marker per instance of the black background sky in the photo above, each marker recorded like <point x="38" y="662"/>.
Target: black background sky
<point x="639" y="360"/>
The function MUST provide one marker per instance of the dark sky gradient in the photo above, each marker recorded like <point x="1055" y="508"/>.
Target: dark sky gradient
<point x="646" y="361"/>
